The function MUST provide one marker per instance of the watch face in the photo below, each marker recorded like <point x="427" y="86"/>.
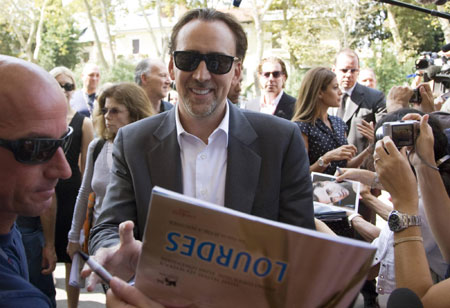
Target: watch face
<point x="394" y="222"/>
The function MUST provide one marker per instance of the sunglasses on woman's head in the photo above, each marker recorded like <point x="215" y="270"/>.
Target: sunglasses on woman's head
<point x="32" y="151"/>
<point x="216" y="63"/>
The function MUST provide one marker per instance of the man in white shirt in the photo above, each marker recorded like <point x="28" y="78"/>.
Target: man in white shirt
<point x="205" y="147"/>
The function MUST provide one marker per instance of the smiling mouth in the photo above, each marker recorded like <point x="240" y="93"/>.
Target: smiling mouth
<point x="200" y="91"/>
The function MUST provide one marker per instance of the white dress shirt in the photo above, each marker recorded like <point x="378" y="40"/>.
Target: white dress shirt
<point x="204" y="166"/>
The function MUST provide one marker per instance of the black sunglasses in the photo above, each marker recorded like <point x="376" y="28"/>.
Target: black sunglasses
<point x="275" y="74"/>
<point x="216" y="63"/>
<point x="33" y="151"/>
<point x="68" y="86"/>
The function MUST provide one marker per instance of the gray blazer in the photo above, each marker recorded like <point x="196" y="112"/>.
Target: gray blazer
<point x="267" y="172"/>
<point x="364" y="103"/>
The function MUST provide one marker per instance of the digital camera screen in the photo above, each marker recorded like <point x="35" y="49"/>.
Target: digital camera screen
<point x="403" y="135"/>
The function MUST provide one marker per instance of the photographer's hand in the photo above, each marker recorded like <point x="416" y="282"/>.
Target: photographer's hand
<point x="398" y="97"/>
<point x="396" y="175"/>
<point x="427" y="103"/>
<point x="424" y="142"/>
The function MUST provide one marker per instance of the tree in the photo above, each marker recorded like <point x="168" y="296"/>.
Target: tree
<point x="60" y="45"/>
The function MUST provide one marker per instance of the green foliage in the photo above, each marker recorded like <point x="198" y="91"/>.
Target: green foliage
<point x="389" y="71"/>
<point x="59" y="40"/>
<point x="419" y="31"/>
<point x="369" y="28"/>
<point x="122" y="71"/>
<point x="9" y="45"/>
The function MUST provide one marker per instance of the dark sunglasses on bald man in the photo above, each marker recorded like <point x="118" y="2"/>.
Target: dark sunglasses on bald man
<point x="33" y="151"/>
<point x="218" y="64"/>
<point x="68" y="86"/>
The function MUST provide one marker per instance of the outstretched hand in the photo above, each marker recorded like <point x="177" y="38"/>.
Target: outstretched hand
<point x="120" y="260"/>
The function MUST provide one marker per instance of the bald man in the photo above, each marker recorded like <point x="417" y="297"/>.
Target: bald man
<point x="83" y="99"/>
<point x="152" y="75"/>
<point x="33" y="132"/>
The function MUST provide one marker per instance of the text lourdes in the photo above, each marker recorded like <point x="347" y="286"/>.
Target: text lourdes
<point x="212" y="252"/>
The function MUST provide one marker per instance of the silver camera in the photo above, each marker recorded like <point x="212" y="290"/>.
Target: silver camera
<point x="403" y="133"/>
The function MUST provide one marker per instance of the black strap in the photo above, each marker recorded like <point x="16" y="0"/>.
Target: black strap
<point x="98" y="148"/>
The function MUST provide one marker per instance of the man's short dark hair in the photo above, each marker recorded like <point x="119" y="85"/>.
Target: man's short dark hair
<point x="141" y="68"/>
<point x="210" y="15"/>
<point x="274" y="60"/>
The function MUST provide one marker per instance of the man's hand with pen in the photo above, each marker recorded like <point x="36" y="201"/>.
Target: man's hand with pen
<point x="114" y="264"/>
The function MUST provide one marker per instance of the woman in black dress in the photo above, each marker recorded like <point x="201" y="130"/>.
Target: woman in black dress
<point x="325" y="136"/>
<point x="67" y="190"/>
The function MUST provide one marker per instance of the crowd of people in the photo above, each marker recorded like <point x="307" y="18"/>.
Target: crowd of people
<point x="61" y="187"/>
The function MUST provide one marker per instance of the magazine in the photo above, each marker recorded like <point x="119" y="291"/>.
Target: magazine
<point x="332" y="196"/>
<point x="197" y="254"/>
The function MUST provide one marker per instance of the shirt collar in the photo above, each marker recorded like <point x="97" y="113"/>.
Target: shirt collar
<point x="350" y="91"/>
<point x="275" y="101"/>
<point x="223" y="125"/>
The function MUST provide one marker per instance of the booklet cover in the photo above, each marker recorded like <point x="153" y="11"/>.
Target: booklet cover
<point x="197" y="254"/>
<point x="332" y="196"/>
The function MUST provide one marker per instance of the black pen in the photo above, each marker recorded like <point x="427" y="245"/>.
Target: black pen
<point x="96" y="267"/>
<point x="339" y="170"/>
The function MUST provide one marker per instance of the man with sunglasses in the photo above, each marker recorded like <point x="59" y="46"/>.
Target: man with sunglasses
<point x="247" y="161"/>
<point x="33" y="136"/>
<point x="272" y="79"/>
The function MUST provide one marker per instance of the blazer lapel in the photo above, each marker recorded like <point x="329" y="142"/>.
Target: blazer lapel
<point x="243" y="163"/>
<point x="164" y="157"/>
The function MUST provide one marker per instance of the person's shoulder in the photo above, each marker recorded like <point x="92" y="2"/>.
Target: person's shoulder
<point x="369" y="91"/>
<point x="289" y="98"/>
<point x="305" y="127"/>
<point x="336" y="119"/>
<point x="15" y="291"/>
<point x="267" y="122"/>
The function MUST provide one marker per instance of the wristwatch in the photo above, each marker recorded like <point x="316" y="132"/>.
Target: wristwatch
<point x="322" y="162"/>
<point x="398" y="221"/>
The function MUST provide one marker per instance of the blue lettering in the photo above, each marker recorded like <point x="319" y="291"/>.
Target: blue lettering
<point x="247" y="263"/>
<point x="282" y="270"/>
<point x="208" y="246"/>
<point x="170" y="237"/>
<point x="189" y="246"/>
<point x="225" y="257"/>
<point x="268" y="267"/>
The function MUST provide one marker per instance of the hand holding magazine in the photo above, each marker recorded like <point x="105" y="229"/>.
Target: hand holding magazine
<point x="197" y="254"/>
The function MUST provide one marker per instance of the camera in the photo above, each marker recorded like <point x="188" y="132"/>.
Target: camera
<point x="416" y="97"/>
<point x="403" y="133"/>
<point x="437" y="68"/>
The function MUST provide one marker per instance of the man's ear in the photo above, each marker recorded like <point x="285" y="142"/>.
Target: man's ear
<point x="170" y="68"/>
<point x="333" y="68"/>
<point x="237" y="72"/>
<point x="144" y="78"/>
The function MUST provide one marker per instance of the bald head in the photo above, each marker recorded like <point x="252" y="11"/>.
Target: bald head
<point x="90" y="77"/>
<point x="33" y="106"/>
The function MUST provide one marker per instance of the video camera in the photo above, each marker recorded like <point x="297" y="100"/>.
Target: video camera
<point x="437" y="68"/>
<point x="402" y="133"/>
